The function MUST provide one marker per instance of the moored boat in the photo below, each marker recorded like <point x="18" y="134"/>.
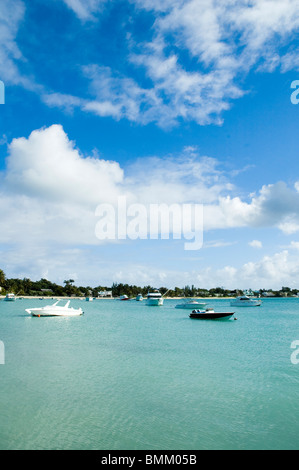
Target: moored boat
<point x="245" y="301"/>
<point x="210" y="314"/>
<point x="155" y="299"/>
<point x="139" y="298"/>
<point x="10" y="298"/>
<point x="124" y="298"/>
<point x="55" y="310"/>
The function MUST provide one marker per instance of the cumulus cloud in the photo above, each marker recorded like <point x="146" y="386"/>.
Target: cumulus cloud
<point x="276" y="205"/>
<point x="47" y="165"/>
<point x="269" y="272"/>
<point x="256" y="244"/>
<point x="50" y="192"/>
<point x="48" y="175"/>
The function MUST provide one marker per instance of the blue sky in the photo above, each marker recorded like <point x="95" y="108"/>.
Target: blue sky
<point x="182" y="101"/>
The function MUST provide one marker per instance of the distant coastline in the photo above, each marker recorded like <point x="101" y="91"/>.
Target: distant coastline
<point x="28" y="297"/>
<point x="44" y="288"/>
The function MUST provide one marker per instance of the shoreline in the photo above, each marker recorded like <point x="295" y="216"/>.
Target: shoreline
<point x="26" y="297"/>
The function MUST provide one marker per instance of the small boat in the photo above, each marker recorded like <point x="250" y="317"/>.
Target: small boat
<point x="10" y="298"/>
<point x="245" y="301"/>
<point x="191" y="305"/>
<point x="89" y="299"/>
<point x="55" y="310"/>
<point x="210" y="314"/>
<point x="124" y="298"/>
<point x="155" y="299"/>
<point x="139" y="298"/>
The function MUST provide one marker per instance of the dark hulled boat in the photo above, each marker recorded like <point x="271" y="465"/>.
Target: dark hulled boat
<point x="210" y="314"/>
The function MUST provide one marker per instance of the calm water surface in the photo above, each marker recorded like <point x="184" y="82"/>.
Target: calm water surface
<point x="128" y="376"/>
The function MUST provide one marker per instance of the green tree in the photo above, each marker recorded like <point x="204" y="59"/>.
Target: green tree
<point x="2" y="278"/>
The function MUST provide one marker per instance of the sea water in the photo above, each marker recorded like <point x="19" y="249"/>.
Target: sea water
<point x="126" y="376"/>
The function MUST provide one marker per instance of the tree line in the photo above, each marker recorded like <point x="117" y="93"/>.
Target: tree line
<point x="46" y="288"/>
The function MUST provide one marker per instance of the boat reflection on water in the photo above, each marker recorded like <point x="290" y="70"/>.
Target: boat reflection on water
<point x="191" y="305"/>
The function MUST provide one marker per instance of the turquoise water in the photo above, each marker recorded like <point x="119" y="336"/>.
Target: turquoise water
<point x="128" y="376"/>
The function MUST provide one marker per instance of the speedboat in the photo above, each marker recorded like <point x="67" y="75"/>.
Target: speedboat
<point x="89" y="299"/>
<point x="10" y="298"/>
<point x="245" y="301"/>
<point x="139" y="298"/>
<point x="191" y="305"/>
<point x="210" y="314"/>
<point x="55" y="310"/>
<point x="155" y="299"/>
<point x="124" y="298"/>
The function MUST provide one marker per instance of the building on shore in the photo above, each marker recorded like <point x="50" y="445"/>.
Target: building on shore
<point x="105" y="293"/>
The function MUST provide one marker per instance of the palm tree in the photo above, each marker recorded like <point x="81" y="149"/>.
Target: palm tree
<point x="2" y="278"/>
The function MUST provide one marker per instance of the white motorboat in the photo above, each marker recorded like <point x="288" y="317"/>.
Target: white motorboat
<point x="139" y="298"/>
<point x="89" y="299"/>
<point x="245" y="301"/>
<point x="191" y="305"/>
<point x="124" y="298"/>
<point x="10" y="298"/>
<point x="155" y="299"/>
<point x="55" y="310"/>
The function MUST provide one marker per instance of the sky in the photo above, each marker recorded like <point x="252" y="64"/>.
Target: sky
<point x="185" y="102"/>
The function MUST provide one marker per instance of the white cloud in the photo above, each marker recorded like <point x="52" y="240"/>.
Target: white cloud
<point x="11" y="16"/>
<point x="49" y="193"/>
<point x="270" y="272"/>
<point x="276" y="205"/>
<point x="228" y="39"/>
<point x="50" y="179"/>
<point x="48" y="166"/>
<point x="192" y="65"/>
<point x="256" y="244"/>
<point x="85" y="9"/>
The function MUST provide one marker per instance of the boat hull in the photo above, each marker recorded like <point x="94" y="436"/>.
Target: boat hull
<point x="211" y="316"/>
<point x="52" y="313"/>
<point x="10" y="298"/>
<point x="55" y="310"/>
<point x="155" y="302"/>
